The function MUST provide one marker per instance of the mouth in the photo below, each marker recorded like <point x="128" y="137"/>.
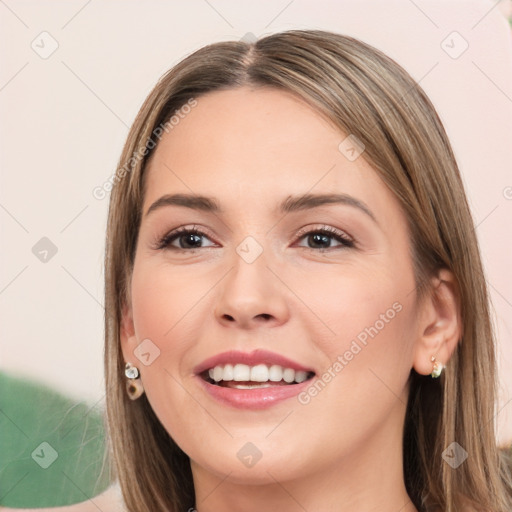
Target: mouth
<point x="254" y="380"/>
<point x="243" y="376"/>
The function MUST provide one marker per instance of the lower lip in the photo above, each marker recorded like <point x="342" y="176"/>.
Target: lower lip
<point x="257" y="398"/>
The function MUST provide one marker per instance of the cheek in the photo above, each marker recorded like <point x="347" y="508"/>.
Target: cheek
<point x="162" y="303"/>
<point x="369" y="369"/>
<point x="369" y="316"/>
<point x="356" y="302"/>
<point x="157" y="309"/>
<point x="163" y="299"/>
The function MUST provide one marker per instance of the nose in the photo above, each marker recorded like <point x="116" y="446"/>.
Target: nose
<point x="252" y="295"/>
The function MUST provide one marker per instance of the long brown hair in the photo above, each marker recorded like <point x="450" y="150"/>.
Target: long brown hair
<point x="366" y="94"/>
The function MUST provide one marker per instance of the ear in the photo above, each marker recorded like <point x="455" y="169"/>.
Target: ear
<point x="440" y="325"/>
<point x="127" y="332"/>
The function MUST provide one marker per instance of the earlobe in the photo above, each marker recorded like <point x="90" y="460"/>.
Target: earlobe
<point x="440" y="326"/>
<point x="134" y="386"/>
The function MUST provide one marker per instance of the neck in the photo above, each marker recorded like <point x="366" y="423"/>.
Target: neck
<point x="369" y="478"/>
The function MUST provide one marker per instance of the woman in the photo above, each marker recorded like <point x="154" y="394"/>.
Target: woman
<point x="271" y="272"/>
<point x="296" y="312"/>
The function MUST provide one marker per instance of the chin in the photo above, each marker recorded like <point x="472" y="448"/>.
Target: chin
<point x="263" y="472"/>
<point x="257" y="461"/>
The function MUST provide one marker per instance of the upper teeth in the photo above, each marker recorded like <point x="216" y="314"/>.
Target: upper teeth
<point x="258" y="373"/>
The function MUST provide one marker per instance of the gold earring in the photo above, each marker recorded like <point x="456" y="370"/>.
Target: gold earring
<point x="134" y="385"/>
<point x="437" y="368"/>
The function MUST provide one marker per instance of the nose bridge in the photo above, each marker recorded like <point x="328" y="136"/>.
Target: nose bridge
<point x="250" y="292"/>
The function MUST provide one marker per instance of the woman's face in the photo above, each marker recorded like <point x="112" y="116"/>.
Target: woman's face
<point x="224" y="319"/>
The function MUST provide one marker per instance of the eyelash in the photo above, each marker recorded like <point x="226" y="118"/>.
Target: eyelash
<point x="346" y="241"/>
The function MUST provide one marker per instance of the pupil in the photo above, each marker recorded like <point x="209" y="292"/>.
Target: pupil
<point x="192" y="238"/>
<point x="320" y="238"/>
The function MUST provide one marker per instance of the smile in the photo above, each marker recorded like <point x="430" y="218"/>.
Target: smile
<point x="253" y="380"/>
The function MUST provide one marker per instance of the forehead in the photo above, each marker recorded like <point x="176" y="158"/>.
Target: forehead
<point x="252" y="146"/>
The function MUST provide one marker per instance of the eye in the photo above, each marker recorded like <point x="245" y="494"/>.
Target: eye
<point x="187" y="238"/>
<point x="321" y="238"/>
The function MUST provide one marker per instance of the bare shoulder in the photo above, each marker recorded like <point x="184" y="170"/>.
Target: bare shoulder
<point x="108" y="501"/>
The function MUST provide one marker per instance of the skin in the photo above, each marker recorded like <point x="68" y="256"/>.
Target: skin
<point x="342" y="451"/>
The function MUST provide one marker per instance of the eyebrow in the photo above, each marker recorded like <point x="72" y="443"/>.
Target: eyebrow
<point x="290" y="204"/>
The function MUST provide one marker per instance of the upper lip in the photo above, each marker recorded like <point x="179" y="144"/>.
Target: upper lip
<point x="253" y="358"/>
